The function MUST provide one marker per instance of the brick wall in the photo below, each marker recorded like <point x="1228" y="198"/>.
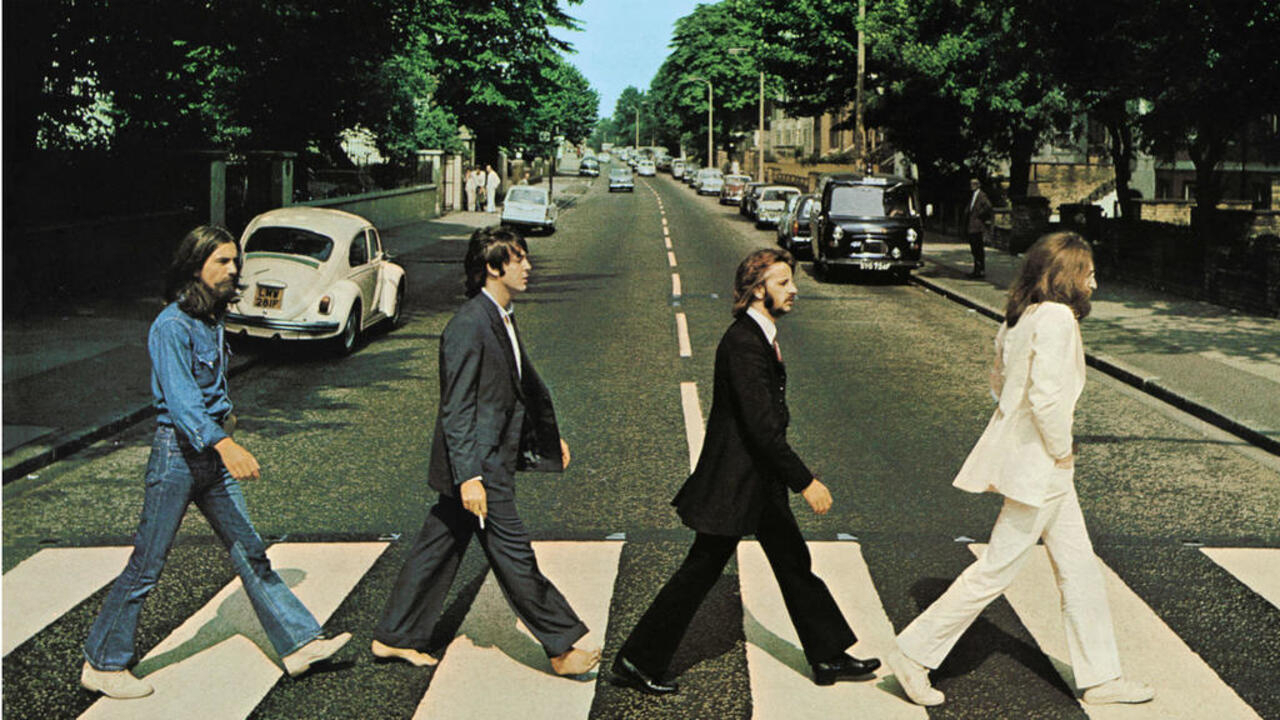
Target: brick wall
<point x="1065" y="183"/>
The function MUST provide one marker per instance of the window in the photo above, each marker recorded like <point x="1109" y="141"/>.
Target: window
<point x="289" y="241"/>
<point x="359" y="254"/>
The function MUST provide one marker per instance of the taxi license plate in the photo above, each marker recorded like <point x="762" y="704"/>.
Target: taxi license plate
<point x="268" y="297"/>
<point x="874" y="265"/>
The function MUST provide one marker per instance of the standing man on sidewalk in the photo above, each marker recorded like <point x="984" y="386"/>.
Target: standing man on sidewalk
<point x="495" y="418"/>
<point x="978" y="220"/>
<point x="194" y="459"/>
<point x="491" y="182"/>
<point x="738" y="488"/>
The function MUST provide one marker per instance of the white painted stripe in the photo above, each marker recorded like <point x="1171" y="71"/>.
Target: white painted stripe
<point x="1150" y="651"/>
<point x="682" y="335"/>
<point x="219" y="663"/>
<point x="666" y="233"/>
<point x="667" y="241"/>
<point x="671" y="258"/>
<point x="693" y="429"/>
<point x="44" y="586"/>
<point x="781" y="680"/>
<point x="675" y="285"/>
<point x="495" y="663"/>
<point x="1258" y="568"/>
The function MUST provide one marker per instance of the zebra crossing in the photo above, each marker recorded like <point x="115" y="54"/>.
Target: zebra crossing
<point x="218" y="664"/>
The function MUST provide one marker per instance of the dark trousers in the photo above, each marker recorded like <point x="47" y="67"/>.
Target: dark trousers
<point x="823" y="631"/>
<point x="979" y="253"/>
<point x="418" y="596"/>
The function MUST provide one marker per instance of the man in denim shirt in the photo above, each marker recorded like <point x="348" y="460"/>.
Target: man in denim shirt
<point x="194" y="458"/>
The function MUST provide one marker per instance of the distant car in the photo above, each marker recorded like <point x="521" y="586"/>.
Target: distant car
<point x="867" y="222"/>
<point x="589" y="167"/>
<point x="677" y="169"/>
<point x="604" y="156"/>
<point x="530" y="207"/>
<point x="793" y="227"/>
<point x="646" y="168"/>
<point x="772" y="202"/>
<point x="315" y="274"/>
<point x="620" y="179"/>
<point x="710" y="181"/>
<point x="747" y="205"/>
<point x="663" y="162"/>
<point x="731" y="193"/>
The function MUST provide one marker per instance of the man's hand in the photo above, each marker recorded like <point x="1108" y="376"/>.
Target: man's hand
<point x="238" y="461"/>
<point x="818" y="497"/>
<point x="564" y="453"/>
<point x="473" y="497"/>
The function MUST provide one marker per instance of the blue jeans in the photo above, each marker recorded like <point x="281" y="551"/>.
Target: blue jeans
<point x="176" y="476"/>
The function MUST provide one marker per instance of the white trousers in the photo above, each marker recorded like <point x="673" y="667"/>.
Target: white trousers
<point x="1090" y="636"/>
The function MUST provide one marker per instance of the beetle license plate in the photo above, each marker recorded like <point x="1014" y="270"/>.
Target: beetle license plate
<point x="875" y="265"/>
<point x="268" y="297"/>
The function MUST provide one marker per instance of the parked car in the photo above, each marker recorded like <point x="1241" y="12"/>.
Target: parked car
<point x="793" y="227"/>
<point x="646" y="168"/>
<point x="677" y="169"/>
<point x="663" y="162"/>
<point x="771" y="202"/>
<point x="731" y="193"/>
<point x="620" y="179"/>
<point x="709" y="182"/>
<point x="746" y="206"/>
<point x="589" y="167"/>
<point x="315" y="274"/>
<point x="529" y="206"/>
<point x="604" y="156"/>
<point x="867" y="222"/>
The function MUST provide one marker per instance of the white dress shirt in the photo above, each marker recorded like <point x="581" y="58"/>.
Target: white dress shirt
<point x="511" y="330"/>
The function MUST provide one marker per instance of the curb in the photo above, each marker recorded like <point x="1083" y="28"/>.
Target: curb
<point x="1128" y="376"/>
<point x="79" y="440"/>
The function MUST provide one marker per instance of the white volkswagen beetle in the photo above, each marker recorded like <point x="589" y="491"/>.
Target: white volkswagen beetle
<point x="314" y="274"/>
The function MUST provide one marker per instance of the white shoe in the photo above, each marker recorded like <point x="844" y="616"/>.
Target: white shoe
<point x="319" y="649"/>
<point x="1119" y="690"/>
<point x="914" y="679"/>
<point x="416" y="658"/>
<point x="119" y="684"/>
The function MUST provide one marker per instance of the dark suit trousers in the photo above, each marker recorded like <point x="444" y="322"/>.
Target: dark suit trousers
<point x="979" y="252"/>
<point x="823" y="631"/>
<point x="418" y="597"/>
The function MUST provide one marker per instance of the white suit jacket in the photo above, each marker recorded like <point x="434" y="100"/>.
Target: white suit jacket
<point x="1038" y="375"/>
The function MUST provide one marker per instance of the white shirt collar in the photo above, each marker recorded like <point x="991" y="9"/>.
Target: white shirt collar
<point x="766" y="324"/>
<point x="504" y="311"/>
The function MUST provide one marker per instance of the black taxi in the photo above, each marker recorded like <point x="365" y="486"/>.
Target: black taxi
<point x="867" y="222"/>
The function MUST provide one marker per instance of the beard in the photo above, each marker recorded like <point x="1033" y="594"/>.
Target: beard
<point x="773" y="307"/>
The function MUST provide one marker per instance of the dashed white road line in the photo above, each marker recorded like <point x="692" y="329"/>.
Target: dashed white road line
<point x="682" y="335"/>
<point x="693" y="427"/>
<point x="675" y="286"/>
<point x="44" y="586"/>
<point x="671" y="258"/>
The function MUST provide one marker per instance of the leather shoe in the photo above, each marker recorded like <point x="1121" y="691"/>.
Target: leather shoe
<point x="843" y="667"/>
<point x="976" y="275"/>
<point x="628" y="675"/>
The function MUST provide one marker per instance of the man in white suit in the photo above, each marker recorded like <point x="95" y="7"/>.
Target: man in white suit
<point x="1026" y="454"/>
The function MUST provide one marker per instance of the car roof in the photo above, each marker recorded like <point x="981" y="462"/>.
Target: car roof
<point x="867" y="179"/>
<point x="337" y="223"/>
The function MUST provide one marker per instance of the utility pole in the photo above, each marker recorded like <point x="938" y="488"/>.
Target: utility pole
<point x="859" y="138"/>
<point x="711" y="158"/>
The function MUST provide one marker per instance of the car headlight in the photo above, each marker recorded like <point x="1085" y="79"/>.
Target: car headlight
<point x="896" y="253"/>
<point x="913" y="237"/>
<point x="837" y="232"/>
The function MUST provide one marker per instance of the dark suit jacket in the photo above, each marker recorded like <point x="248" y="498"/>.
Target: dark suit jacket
<point x="745" y="461"/>
<point x="490" y="423"/>
<point x="979" y="218"/>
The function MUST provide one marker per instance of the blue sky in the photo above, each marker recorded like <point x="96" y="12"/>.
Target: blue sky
<point x="623" y="42"/>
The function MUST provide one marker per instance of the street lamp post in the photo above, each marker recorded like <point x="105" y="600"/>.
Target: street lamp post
<point x="711" y="159"/>
<point x="760" y="127"/>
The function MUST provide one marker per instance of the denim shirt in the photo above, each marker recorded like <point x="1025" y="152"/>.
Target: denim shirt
<point x="188" y="376"/>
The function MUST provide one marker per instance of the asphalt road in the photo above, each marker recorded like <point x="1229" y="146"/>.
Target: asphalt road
<point x="887" y="390"/>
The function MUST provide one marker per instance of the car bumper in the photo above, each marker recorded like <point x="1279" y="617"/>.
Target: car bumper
<point x="873" y="262"/>
<point x="257" y="326"/>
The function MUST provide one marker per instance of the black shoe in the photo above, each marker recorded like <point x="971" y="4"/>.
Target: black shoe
<point x="627" y="675"/>
<point x="843" y="667"/>
<point x="976" y="275"/>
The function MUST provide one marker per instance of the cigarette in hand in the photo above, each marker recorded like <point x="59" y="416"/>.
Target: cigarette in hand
<point x="481" y="522"/>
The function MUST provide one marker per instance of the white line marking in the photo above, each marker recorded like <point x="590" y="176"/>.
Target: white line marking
<point x="682" y="335"/>
<point x="693" y="428"/>
<point x="46" y="585"/>
<point x="495" y="663"/>
<point x="671" y="258"/>
<point x="781" y="680"/>
<point x="667" y="234"/>
<point x="667" y="241"/>
<point x="1149" y="649"/>
<point x="219" y="664"/>
<point x="1258" y="568"/>
<point x="675" y="285"/>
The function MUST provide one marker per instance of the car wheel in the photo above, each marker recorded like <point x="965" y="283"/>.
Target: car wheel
<point x="549" y="229"/>
<point x="820" y="271"/>
<point x="345" y="343"/>
<point x="901" y="275"/>
<point x="397" y="314"/>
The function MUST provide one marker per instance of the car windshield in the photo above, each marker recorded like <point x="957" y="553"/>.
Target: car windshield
<point x="527" y="195"/>
<point x="872" y="201"/>
<point x="708" y="173"/>
<point x="290" y="241"/>
<point x="778" y="194"/>
<point x="620" y="174"/>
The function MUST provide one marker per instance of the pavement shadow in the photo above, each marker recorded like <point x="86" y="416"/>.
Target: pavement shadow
<point x="235" y="616"/>
<point x="782" y="650"/>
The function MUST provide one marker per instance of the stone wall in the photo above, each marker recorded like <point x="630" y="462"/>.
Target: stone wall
<point x="1066" y="183"/>
<point x="387" y="208"/>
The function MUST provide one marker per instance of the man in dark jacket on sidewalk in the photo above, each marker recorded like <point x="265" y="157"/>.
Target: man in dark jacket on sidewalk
<point x="978" y="218"/>
<point x="739" y="487"/>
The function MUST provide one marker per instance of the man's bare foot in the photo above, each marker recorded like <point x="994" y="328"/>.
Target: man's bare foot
<point x="575" y="661"/>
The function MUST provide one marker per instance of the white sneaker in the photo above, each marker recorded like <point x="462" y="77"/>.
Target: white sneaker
<point x="914" y="679"/>
<point x="1119" y="690"/>
<point x="319" y="649"/>
<point x="119" y="684"/>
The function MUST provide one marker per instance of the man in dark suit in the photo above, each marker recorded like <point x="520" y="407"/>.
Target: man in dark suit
<point x="739" y="487"/>
<point x="978" y="218"/>
<point x="495" y="418"/>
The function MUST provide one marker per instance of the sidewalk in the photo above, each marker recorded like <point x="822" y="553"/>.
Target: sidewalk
<point x="1220" y="365"/>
